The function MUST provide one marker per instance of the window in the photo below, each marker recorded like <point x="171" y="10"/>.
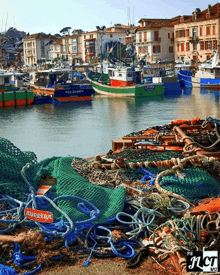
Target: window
<point x="74" y="49"/>
<point x="213" y="29"/>
<point x="57" y="48"/>
<point x="200" y="31"/>
<point x="208" y="30"/>
<point x="194" y="32"/>
<point x="177" y="34"/>
<point x="207" y="45"/>
<point x="187" y="33"/>
<point x="171" y="49"/>
<point x="182" y="47"/>
<point x="139" y="49"/>
<point x="111" y="35"/>
<point x="177" y="47"/>
<point x="187" y="47"/>
<point x="143" y="49"/>
<point x="91" y="36"/>
<point x="194" y="46"/>
<point x="140" y="37"/>
<point x="156" y="49"/>
<point x="156" y="35"/>
<point x="214" y="44"/>
<point x="145" y="36"/>
<point x="202" y="45"/>
<point x="182" y="33"/>
<point x="168" y="35"/>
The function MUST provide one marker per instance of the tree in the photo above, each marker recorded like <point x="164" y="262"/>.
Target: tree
<point x="66" y="31"/>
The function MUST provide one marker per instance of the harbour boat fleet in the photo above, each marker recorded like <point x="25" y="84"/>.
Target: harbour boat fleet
<point x="114" y="80"/>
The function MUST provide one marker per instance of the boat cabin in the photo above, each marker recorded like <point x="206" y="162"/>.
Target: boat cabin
<point x="17" y="79"/>
<point x="150" y="72"/>
<point x="49" y="78"/>
<point x="5" y="80"/>
<point x="124" y="76"/>
<point x="183" y="65"/>
<point x="208" y="71"/>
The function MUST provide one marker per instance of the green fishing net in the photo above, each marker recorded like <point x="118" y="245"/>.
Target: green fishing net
<point x="70" y="183"/>
<point x="12" y="160"/>
<point x="196" y="184"/>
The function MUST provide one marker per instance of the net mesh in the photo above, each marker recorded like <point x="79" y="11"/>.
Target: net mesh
<point x="196" y="184"/>
<point x="12" y="161"/>
<point x="70" y="183"/>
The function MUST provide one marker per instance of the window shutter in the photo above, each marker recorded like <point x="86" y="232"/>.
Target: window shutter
<point x="202" y="45"/>
<point x="153" y="49"/>
<point x="210" y="45"/>
<point x="205" y="45"/>
<point x="159" y="48"/>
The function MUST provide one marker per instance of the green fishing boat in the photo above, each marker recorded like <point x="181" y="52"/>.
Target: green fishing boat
<point x="123" y="82"/>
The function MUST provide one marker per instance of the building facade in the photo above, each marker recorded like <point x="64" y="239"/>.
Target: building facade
<point x="72" y="47"/>
<point x="198" y="35"/>
<point x="55" y="49"/>
<point x="97" y="43"/>
<point x="155" y="40"/>
<point x="36" y="48"/>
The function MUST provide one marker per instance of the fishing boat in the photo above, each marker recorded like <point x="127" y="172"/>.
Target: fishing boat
<point x="207" y="76"/>
<point x="10" y="95"/>
<point x="123" y="82"/>
<point x="159" y="75"/>
<point x="61" y="85"/>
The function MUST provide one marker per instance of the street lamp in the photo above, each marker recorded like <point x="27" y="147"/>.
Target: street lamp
<point x="103" y="31"/>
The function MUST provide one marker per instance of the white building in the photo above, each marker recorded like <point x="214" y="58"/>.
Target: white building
<point x="97" y="42"/>
<point x="155" y="40"/>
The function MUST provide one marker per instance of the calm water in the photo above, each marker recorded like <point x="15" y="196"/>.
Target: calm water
<point x="87" y="129"/>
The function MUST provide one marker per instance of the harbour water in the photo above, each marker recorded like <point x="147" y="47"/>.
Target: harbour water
<point x="87" y="129"/>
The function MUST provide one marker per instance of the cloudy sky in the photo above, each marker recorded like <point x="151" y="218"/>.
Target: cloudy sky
<point x="50" y="16"/>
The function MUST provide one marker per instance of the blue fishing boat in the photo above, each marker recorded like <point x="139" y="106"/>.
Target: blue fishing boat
<point x="62" y="85"/>
<point x="207" y="76"/>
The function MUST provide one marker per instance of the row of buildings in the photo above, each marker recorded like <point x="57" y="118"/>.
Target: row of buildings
<point x="191" y="37"/>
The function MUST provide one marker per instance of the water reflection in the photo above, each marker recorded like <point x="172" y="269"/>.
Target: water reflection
<point x="86" y="129"/>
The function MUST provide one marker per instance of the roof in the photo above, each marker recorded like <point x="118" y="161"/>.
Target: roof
<point x="39" y="35"/>
<point x="154" y="23"/>
<point x="212" y="12"/>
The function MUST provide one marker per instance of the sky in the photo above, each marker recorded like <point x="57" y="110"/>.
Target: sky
<point x="50" y="16"/>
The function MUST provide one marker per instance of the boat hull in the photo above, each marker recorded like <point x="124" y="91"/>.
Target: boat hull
<point x="66" y="93"/>
<point x="144" y="90"/>
<point x="16" y="98"/>
<point x="186" y="78"/>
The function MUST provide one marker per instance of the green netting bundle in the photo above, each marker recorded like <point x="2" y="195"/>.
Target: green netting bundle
<point x="196" y="184"/>
<point x="70" y="183"/>
<point x="12" y="160"/>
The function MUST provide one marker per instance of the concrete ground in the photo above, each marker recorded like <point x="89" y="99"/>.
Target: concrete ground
<point x="113" y="266"/>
